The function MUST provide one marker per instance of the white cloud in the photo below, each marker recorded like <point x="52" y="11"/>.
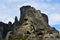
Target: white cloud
<point x="18" y="1"/>
<point x="6" y="18"/>
<point x="2" y="6"/>
<point x="54" y="19"/>
<point x="50" y="9"/>
<point x="48" y="0"/>
<point x="13" y="0"/>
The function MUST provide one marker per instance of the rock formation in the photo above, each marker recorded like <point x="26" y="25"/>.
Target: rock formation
<point x="33" y="25"/>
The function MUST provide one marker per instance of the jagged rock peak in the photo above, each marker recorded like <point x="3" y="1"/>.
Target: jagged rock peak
<point x="32" y="18"/>
<point x="30" y="13"/>
<point x="16" y="19"/>
<point x="16" y="22"/>
<point x="10" y="23"/>
<point x="25" y="12"/>
<point x="33" y="25"/>
<point x="36" y="25"/>
<point x="27" y="7"/>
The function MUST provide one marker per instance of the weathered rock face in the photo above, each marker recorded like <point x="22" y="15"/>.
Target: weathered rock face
<point x="33" y="25"/>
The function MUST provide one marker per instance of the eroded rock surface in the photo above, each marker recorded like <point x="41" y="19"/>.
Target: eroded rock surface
<point x="33" y="25"/>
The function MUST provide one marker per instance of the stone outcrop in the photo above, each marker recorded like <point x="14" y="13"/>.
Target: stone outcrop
<point x="33" y="25"/>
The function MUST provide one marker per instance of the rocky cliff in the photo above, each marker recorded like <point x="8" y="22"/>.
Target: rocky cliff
<point x="33" y="25"/>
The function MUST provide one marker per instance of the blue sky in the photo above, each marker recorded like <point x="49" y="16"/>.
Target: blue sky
<point x="10" y="8"/>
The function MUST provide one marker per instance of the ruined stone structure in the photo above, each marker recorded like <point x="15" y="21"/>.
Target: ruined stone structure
<point x="33" y="25"/>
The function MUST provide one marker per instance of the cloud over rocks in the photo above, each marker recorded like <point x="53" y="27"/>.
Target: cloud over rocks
<point x="10" y="8"/>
